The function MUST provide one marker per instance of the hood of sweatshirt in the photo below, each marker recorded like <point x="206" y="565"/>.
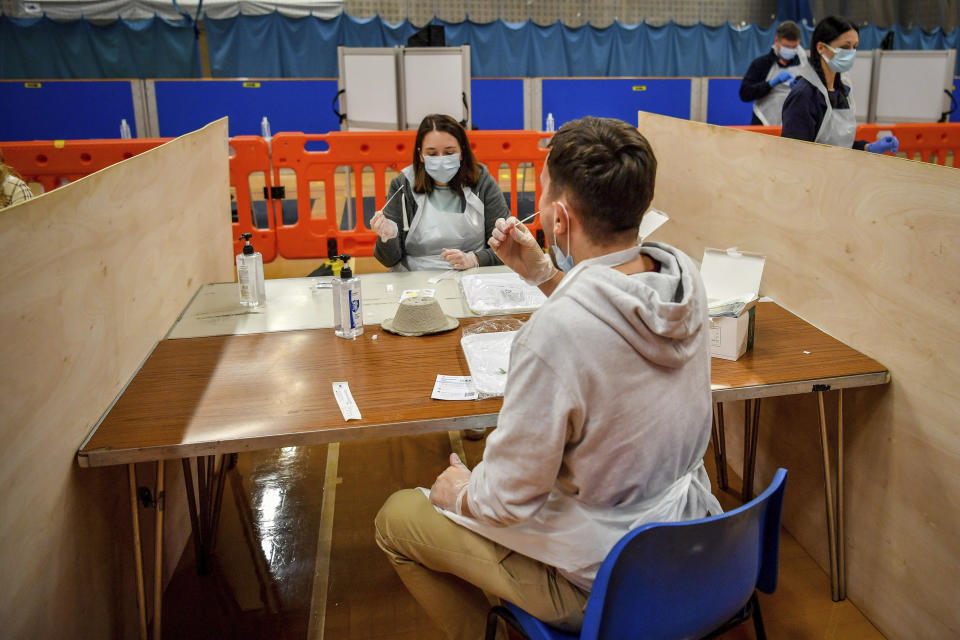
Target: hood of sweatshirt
<point x="660" y="314"/>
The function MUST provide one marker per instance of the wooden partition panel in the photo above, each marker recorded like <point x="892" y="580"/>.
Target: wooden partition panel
<point x="93" y="275"/>
<point x="866" y="248"/>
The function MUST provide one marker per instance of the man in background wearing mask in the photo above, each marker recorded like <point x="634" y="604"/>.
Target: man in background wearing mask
<point x="769" y="78"/>
<point x="607" y="409"/>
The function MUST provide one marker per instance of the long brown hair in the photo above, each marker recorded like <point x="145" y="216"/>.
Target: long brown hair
<point x="469" y="173"/>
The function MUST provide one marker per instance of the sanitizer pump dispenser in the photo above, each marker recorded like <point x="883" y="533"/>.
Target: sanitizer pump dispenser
<point x="250" y="275"/>
<point x="347" y="307"/>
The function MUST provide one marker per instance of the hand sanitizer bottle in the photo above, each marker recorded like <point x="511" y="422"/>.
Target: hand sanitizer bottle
<point x="347" y="308"/>
<point x="550" y="123"/>
<point x="253" y="291"/>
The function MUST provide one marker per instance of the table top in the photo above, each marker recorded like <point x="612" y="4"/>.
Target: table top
<point x="224" y="394"/>
<point x="791" y="356"/>
<point x="307" y="303"/>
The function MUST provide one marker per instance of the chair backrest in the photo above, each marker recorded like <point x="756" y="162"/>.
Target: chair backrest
<point x="685" y="579"/>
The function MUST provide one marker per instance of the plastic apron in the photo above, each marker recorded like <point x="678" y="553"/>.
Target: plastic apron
<point x="432" y="230"/>
<point x="769" y="109"/>
<point x="839" y="126"/>
<point x="575" y="537"/>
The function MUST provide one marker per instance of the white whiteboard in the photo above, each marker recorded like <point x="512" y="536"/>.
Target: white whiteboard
<point x="370" y="79"/>
<point x="861" y="80"/>
<point x="910" y="85"/>
<point x="435" y="81"/>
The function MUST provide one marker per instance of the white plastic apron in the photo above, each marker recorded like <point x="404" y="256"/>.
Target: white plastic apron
<point x="575" y="537"/>
<point x="769" y="109"/>
<point x="839" y="126"/>
<point x="432" y="231"/>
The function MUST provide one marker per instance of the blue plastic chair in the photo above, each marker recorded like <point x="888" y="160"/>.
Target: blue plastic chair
<point x="693" y="579"/>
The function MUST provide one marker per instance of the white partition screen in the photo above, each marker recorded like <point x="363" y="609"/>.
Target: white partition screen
<point x="910" y="85"/>
<point x="368" y="77"/>
<point x="861" y="79"/>
<point x="436" y="80"/>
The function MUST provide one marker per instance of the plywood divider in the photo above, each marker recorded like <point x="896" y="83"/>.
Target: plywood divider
<point x="93" y="275"/>
<point x="864" y="247"/>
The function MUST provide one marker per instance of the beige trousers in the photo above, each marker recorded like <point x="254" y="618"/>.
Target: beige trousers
<point x="448" y="569"/>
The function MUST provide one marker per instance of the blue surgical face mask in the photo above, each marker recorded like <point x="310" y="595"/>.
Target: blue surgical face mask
<point x="442" y="168"/>
<point x="564" y="260"/>
<point x="788" y="53"/>
<point x="842" y="60"/>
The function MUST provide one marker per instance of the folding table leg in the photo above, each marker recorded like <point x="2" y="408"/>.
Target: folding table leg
<point x="833" y="541"/>
<point x="719" y="446"/>
<point x="158" y="557"/>
<point x="751" y="433"/>
<point x="204" y="501"/>
<point x="137" y="552"/>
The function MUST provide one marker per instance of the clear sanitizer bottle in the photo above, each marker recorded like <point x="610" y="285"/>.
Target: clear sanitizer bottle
<point x="347" y="307"/>
<point x="250" y="275"/>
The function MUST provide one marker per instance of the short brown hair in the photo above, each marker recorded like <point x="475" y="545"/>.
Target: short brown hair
<point x="788" y="30"/>
<point x="608" y="171"/>
<point x="469" y="173"/>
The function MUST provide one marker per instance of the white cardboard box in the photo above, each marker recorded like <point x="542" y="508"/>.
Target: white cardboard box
<point x="732" y="279"/>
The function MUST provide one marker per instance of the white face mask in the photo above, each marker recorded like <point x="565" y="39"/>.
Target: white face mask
<point x="788" y="53"/>
<point x="564" y="260"/>
<point x="842" y="60"/>
<point x="442" y="168"/>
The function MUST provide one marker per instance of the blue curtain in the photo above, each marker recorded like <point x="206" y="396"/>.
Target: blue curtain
<point x="275" y="46"/>
<point x="44" y="48"/>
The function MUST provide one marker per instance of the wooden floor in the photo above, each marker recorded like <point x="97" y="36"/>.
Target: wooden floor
<point x="284" y="572"/>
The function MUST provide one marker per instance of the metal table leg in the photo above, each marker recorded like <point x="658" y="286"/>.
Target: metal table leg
<point x="834" y="514"/>
<point x="751" y="433"/>
<point x="719" y="446"/>
<point x="137" y="553"/>
<point x="158" y="557"/>
<point x="204" y="502"/>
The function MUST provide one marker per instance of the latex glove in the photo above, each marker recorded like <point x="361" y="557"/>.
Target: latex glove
<point x="884" y="144"/>
<point x="383" y="226"/>
<point x="460" y="260"/>
<point x="515" y="245"/>
<point x="450" y="487"/>
<point x="783" y="76"/>
<point x="794" y="81"/>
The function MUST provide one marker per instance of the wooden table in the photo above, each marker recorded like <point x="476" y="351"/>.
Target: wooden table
<point x="214" y="396"/>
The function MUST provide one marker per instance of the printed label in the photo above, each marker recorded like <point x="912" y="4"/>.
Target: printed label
<point x="715" y="336"/>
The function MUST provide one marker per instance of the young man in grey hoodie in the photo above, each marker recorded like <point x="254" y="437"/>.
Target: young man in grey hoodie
<point x="607" y="410"/>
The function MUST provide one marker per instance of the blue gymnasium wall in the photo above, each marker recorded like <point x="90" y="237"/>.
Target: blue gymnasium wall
<point x="571" y="98"/>
<point x="61" y="110"/>
<point x="289" y="105"/>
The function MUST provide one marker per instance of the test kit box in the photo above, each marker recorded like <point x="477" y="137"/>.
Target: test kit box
<point x="732" y="279"/>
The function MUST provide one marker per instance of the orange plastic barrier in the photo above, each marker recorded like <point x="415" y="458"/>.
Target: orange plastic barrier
<point x="54" y="162"/>
<point x="250" y="155"/>
<point x="933" y="141"/>
<point x="321" y="236"/>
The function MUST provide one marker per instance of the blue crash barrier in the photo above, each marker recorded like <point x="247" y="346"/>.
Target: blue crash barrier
<point x="289" y="105"/>
<point x="64" y="110"/>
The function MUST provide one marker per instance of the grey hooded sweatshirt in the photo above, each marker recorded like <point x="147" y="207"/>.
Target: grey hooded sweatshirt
<point x="605" y="419"/>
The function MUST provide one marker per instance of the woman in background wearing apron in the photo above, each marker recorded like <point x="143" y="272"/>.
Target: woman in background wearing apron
<point x="447" y="208"/>
<point x="820" y="107"/>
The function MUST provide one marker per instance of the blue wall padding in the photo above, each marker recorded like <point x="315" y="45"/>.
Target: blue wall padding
<point x="724" y="106"/>
<point x="58" y="110"/>
<point x="496" y="103"/>
<point x="289" y="105"/>
<point x="44" y="48"/>
<point x="568" y="99"/>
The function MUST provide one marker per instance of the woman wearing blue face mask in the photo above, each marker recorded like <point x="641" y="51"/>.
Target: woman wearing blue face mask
<point x="447" y="208"/>
<point x="820" y="107"/>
